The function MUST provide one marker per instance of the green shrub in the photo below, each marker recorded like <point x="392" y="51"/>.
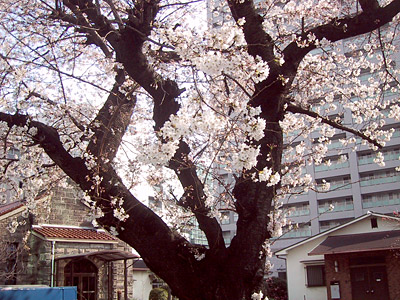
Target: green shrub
<point x="276" y="288"/>
<point x="158" y="294"/>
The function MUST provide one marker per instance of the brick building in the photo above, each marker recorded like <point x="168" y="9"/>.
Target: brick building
<point x="57" y="246"/>
<point x="359" y="260"/>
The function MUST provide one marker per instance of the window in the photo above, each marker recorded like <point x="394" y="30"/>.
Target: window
<point x="336" y="183"/>
<point x="369" y="156"/>
<point x="13" y="154"/>
<point x="325" y="225"/>
<point x="301" y="209"/>
<point x="372" y="178"/>
<point x="333" y="163"/>
<point x="225" y="218"/>
<point x="227" y="237"/>
<point x="374" y="223"/>
<point x="235" y="217"/>
<point x="282" y="275"/>
<point x="297" y="231"/>
<point x="381" y="199"/>
<point x="339" y="204"/>
<point x="315" y="275"/>
<point x="154" y="203"/>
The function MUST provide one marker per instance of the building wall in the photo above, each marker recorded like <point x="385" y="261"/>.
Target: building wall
<point x="297" y="259"/>
<point x="393" y="273"/>
<point x="142" y="284"/>
<point x="63" y="207"/>
<point x="296" y="277"/>
<point x="342" y="275"/>
<point x="20" y="253"/>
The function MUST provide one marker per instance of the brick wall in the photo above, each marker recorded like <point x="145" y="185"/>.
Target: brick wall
<point x="392" y="261"/>
<point x="342" y="276"/>
<point x="393" y="273"/>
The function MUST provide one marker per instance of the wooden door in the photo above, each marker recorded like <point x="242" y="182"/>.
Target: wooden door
<point x="369" y="283"/>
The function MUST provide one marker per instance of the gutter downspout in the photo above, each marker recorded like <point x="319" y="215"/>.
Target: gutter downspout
<point x="53" y="248"/>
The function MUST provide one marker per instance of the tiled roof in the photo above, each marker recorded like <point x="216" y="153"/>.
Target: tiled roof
<point x="358" y="242"/>
<point x="6" y="208"/>
<point x="72" y="233"/>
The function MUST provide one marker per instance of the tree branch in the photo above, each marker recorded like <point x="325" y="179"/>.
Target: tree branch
<point x="85" y="26"/>
<point x="369" y="5"/>
<point x="147" y="233"/>
<point x="164" y="92"/>
<point x="295" y="109"/>
<point x="370" y="19"/>
<point x="111" y="122"/>
<point x="258" y="41"/>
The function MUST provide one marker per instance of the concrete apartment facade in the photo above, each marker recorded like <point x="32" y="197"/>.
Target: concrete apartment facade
<point x="357" y="185"/>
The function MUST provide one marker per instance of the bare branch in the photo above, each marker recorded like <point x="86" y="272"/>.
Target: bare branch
<point x="295" y="109"/>
<point x="85" y="26"/>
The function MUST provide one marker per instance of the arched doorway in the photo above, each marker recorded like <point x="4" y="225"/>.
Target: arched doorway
<point x="82" y="273"/>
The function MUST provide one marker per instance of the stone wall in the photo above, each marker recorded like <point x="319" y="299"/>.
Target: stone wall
<point x="13" y="246"/>
<point x="63" y="207"/>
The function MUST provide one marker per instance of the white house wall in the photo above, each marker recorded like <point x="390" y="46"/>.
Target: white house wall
<point x="141" y="285"/>
<point x="296" y="275"/>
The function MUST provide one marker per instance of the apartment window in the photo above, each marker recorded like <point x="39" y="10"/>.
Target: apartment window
<point x="335" y="141"/>
<point x="339" y="204"/>
<point x="381" y="199"/>
<point x="302" y="209"/>
<point x="299" y="231"/>
<point x="333" y="163"/>
<point x="154" y="203"/>
<point x="235" y="217"/>
<point x="13" y="154"/>
<point x="325" y="225"/>
<point x="315" y="275"/>
<point x="336" y="183"/>
<point x="225" y="218"/>
<point x="227" y="237"/>
<point x="196" y="235"/>
<point x="373" y="178"/>
<point x="365" y="158"/>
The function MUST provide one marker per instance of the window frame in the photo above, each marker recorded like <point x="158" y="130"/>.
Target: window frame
<point x="315" y="283"/>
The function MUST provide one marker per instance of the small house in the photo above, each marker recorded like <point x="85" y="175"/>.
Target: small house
<point x="358" y="260"/>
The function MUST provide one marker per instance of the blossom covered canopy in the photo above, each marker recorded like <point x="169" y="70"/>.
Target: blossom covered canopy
<point x="112" y="94"/>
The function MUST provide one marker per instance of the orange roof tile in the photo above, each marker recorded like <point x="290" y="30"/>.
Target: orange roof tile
<point x="59" y="232"/>
<point x="6" y="208"/>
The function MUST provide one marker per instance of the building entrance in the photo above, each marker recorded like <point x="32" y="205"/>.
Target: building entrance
<point x="369" y="283"/>
<point x="82" y="274"/>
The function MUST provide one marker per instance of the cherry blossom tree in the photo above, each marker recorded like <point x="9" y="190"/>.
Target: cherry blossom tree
<point x="114" y="93"/>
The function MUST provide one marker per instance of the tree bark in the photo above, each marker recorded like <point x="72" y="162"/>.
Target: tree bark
<point x="193" y="272"/>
